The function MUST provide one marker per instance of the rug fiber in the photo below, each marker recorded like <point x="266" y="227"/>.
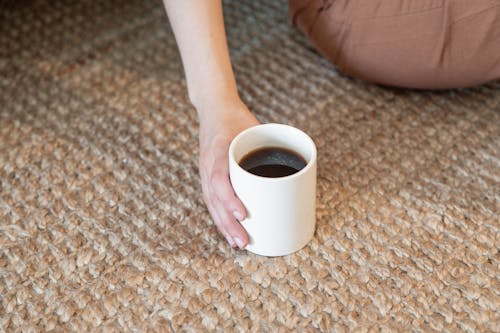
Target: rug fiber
<point x="102" y="222"/>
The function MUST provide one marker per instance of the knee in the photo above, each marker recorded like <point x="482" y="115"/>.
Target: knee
<point x="393" y="52"/>
<point x="408" y="68"/>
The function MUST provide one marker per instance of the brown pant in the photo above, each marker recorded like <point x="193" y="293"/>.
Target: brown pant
<point x="432" y="44"/>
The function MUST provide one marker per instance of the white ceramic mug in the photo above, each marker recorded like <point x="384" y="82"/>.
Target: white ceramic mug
<point x="281" y="212"/>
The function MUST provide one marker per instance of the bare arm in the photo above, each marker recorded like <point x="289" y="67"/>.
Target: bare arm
<point x="199" y="30"/>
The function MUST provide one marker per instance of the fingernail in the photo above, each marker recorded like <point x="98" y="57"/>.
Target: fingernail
<point x="238" y="215"/>
<point x="240" y="243"/>
<point x="230" y="241"/>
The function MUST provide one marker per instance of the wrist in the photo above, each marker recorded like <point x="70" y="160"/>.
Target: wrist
<point x="208" y="99"/>
<point x="216" y="105"/>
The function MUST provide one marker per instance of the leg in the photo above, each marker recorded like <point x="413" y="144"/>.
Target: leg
<point x="432" y="44"/>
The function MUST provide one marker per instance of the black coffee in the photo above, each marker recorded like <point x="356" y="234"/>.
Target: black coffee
<point x="272" y="162"/>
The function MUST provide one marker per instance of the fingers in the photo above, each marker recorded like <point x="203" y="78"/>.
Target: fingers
<point x="220" y="226"/>
<point x="223" y="189"/>
<point x="231" y="226"/>
<point x="223" y="217"/>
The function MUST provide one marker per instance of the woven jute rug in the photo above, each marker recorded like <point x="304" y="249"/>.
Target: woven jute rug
<point x="102" y="222"/>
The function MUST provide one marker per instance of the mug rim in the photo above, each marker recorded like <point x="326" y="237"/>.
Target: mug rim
<point x="305" y="169"/>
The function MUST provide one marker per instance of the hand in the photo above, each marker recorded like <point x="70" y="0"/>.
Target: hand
<point x="219" y="124"/>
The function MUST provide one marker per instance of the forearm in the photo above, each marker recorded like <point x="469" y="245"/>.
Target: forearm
<point x="199" y="30"/>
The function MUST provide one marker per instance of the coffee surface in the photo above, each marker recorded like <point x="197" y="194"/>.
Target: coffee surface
<point x="272" y="162"/>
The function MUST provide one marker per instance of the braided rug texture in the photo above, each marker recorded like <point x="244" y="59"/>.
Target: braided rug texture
<point x="102" y="222"/>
